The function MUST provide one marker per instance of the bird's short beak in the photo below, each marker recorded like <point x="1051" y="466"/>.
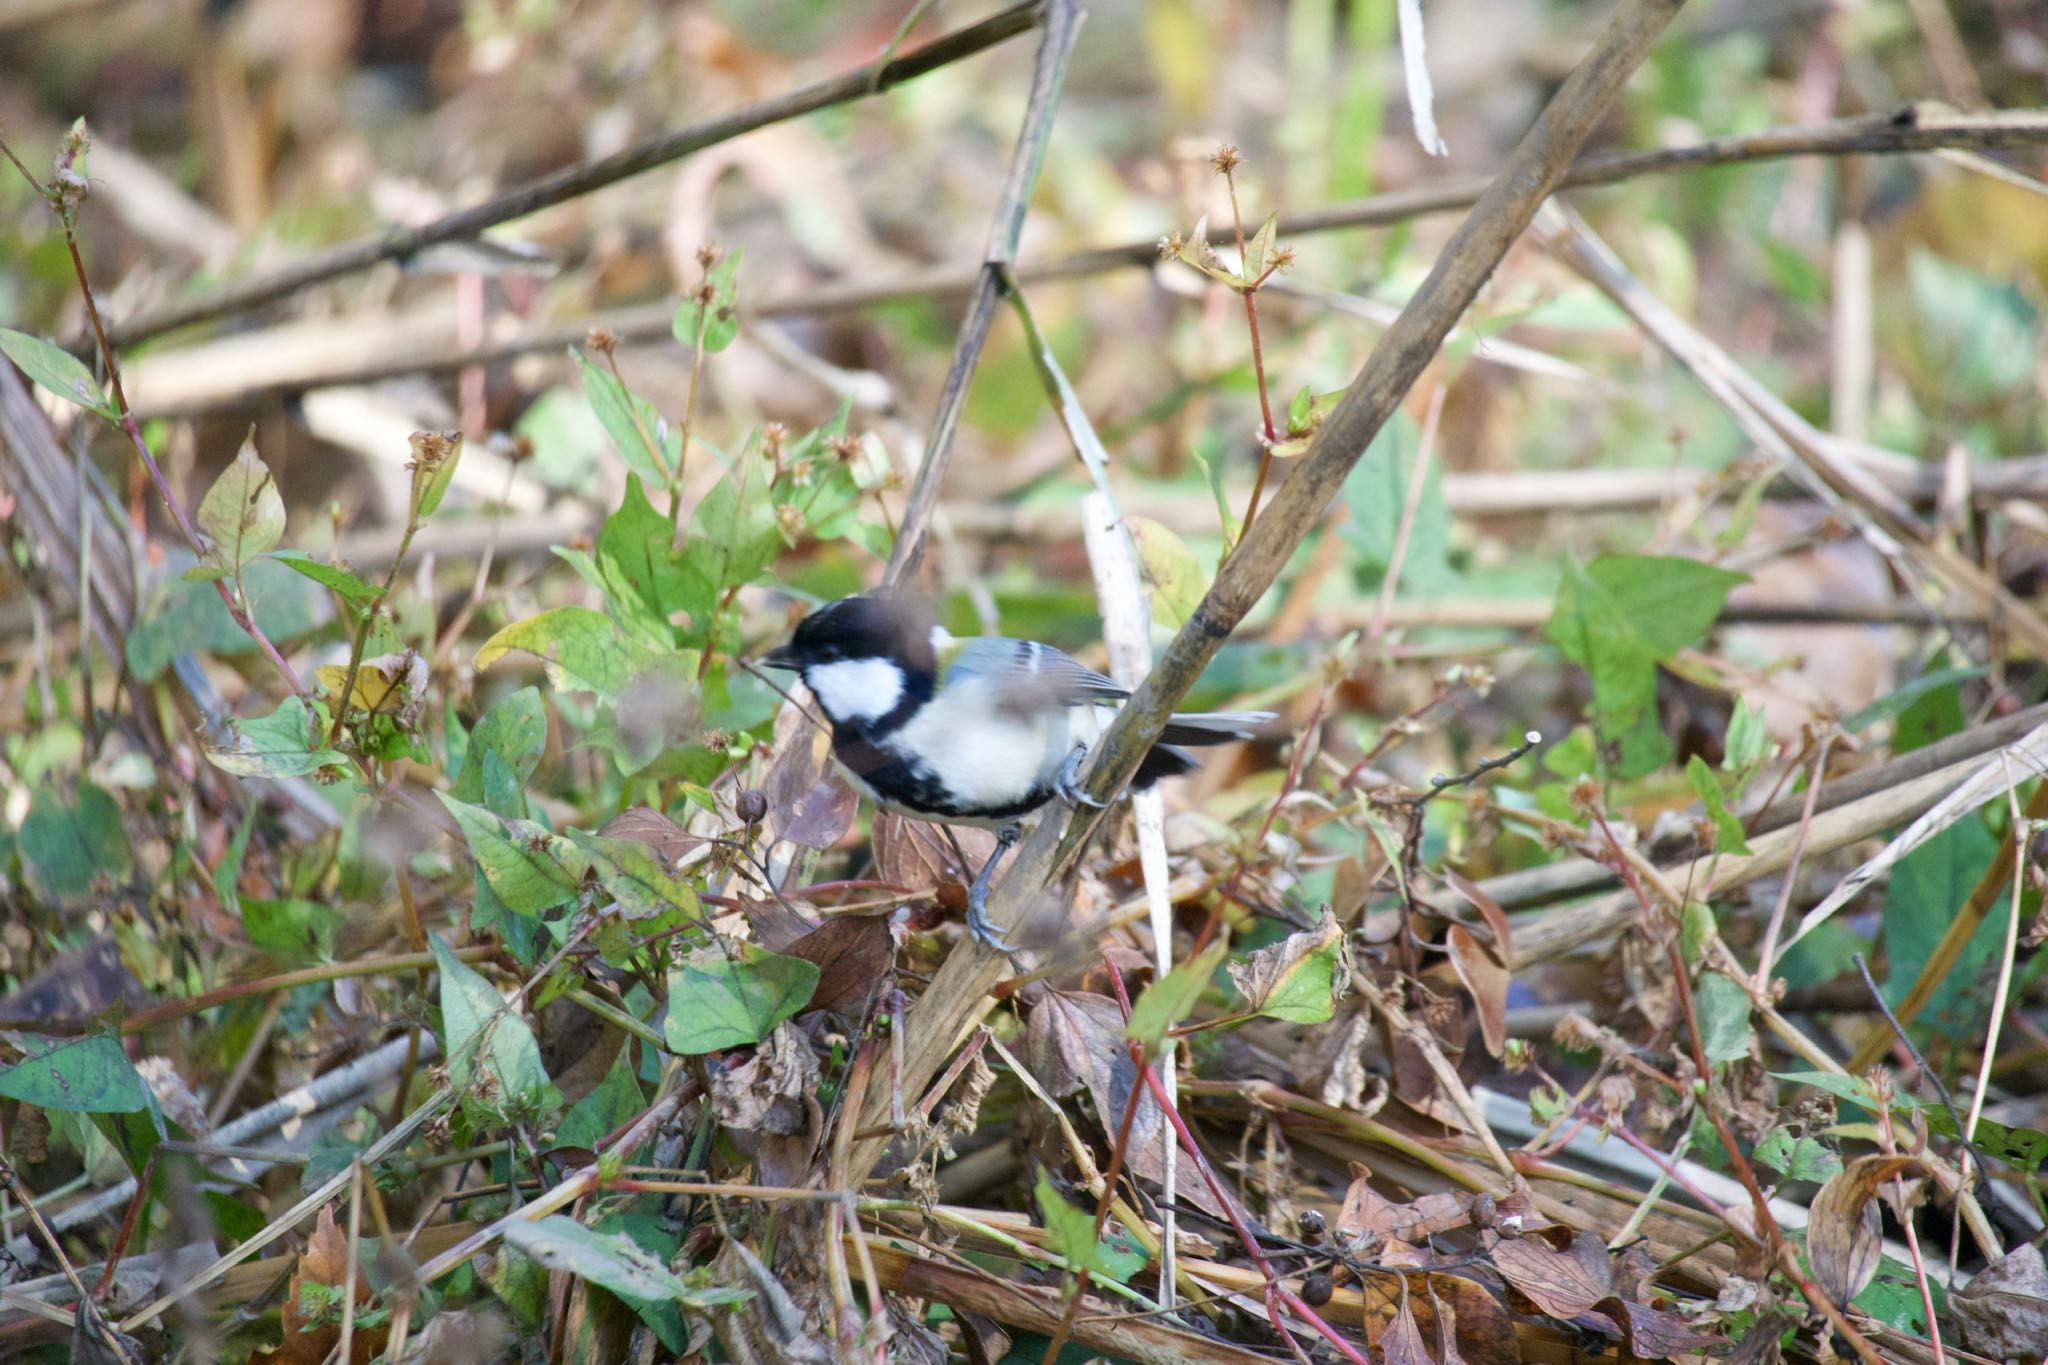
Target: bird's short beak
<point x="780" y="658"/>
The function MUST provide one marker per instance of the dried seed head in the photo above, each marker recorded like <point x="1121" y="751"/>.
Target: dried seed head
<point x="708" y="254"/>
<point x="1170" y="246"/>
<point x="1226" y="158"/>
<point x="601" y="339"/>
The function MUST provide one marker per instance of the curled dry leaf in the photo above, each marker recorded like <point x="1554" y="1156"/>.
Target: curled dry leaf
<point x="1486" y="977"/>
<point x="766" y="1093"/>
<point x="1503" y="944"/>
<point x="1296" y="979"/>
<point x="2003" y="1310"/>
<point x="1761" y="1344"/>
<point x="1561" y="1280"/>
<point x="1843" y="1236"/>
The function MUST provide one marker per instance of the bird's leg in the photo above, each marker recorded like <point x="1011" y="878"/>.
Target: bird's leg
<point x="977" y="894"/>
<point x="1067" y="786"/>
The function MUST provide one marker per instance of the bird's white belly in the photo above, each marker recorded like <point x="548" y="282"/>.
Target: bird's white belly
<point x="991" y="758"/>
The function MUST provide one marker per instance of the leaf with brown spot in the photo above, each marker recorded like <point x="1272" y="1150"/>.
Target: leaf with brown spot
<point x="1296" y="979"/>
<point x="1843" y="1234"/>
<point x="1655" y="1334"/>
<point x="853" y="954"/>
<point x="1563" y="1282"/>
<point x="1487" y="980"/>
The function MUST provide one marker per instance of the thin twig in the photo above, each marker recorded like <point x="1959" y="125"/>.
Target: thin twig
<point x="400" y="243"/>
<point x="1060" y="22"/>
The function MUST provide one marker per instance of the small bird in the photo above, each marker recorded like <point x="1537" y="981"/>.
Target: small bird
<point x="974" y="732"/>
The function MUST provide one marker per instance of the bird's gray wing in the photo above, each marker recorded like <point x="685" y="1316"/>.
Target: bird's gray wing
<point x="1029" y="672"/>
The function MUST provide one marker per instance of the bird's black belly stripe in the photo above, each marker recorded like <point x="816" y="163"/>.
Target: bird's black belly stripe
<point x="906" y="784"/>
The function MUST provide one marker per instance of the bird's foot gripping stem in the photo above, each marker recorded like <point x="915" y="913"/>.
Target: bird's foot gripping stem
<point x="1067" y="785"/>
<point x="977" y="894"/>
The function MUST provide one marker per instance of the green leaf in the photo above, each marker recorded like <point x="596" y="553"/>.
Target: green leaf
<point x="300" y="931"/>
<point x="1168" y="1000"/>
<point x="616" y="1102"/>
<point x="1749" y="741"/>
<point x="521" y="860"/>
<point x="1212" y="470"/>
<point x="734" y="535"/>
<point x="1800" y="1158"/>
<point x="1892" y="704"/>
<point x="227" y="873"/>
<point x="1724" y="1018"/>
<point x="1171" y="571"/>
<point x="1070" y="1234"/>
<point x="1621" y="616"/>
<point x="1727" y="829"/>
<point x="636" y="879"/>
<point x="342" y="580"/>
<point x="1920" y="903"/>
<point x="473" y="1013"/>
<point x="1293" y="980"/>
<point x="715" y="1002"/>
<point x="718" y="319"/>
<point x="2024" y="1147"/>
<point x="515" y="729"/>
<point x="242" y="513"/>
<point x="184" y="617"/>
<point x="1376" y="495"/>
<point x="612" y="1260"/>
<point x="289" y="742"/>
<point x="636" y="429"/>
<point x="57" y="370"/>
<point x="1979" y="335"/>
<point x="638" y="565"/>
<point x="583" y="649"/>
<point x="428" y="495"/>
<point x="1261" y="249"/>
<point x="67" y="842"/>
<point x="90" y="1075"/>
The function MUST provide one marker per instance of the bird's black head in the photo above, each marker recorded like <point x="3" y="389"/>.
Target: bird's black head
<point x="869" y="659"/>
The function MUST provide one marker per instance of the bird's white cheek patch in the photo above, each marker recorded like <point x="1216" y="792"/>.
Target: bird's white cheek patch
<point x="856" y="689"/>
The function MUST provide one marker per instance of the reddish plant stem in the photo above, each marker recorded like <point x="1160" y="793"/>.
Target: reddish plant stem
<point x="237" y="611"/>
<point x="1278" y="1295"/>
<point x="1251" y="322"/>
<point x="1774" y="1236"/>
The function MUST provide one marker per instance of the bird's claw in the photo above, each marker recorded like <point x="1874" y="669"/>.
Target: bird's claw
<point x="1067" y="787"/>
<point x="978" y="922"/>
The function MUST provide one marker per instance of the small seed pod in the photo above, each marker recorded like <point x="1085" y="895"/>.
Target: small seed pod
<point x="1316" y="1288"/>
<point x="751" y="806"/>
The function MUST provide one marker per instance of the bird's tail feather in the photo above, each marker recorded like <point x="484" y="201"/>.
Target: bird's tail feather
<point x="1213" y="727"/>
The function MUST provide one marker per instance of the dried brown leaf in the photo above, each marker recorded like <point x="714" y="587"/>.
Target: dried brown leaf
<point x="1487" y="979"/>
<point x="917" y="855"/>
<point x="1653" y="1333"/>
<point x="1503" y="944"/>
<point x="1481" y="1329"/>
<point x="1563" y="1282"/>
<point x="310" y="1337"/>
<point x="853" y="954"/>
<point x="666" y="839"/>
<point x="1401" y="1341"/>
<point x="1843" y="1235"/>
<point x="818" y="817"/>
<point x="766" y="1093"/>
<point x="1297" y="978"/>
<point x="1074" y="1040"/>
<point x="2003" y="1310"/>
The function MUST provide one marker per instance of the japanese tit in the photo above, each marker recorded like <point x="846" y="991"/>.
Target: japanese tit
<point x="976" y="732"/>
